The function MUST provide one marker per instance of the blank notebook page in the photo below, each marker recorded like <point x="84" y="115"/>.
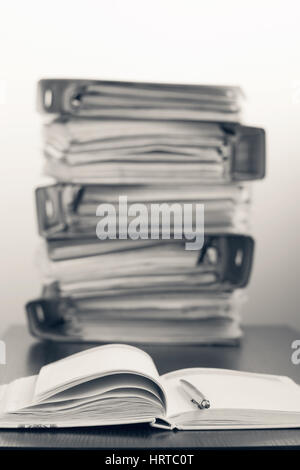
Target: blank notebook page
<point x="232" y="390"/>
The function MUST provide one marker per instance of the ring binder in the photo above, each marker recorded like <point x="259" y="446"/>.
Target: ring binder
<point x="125" y="152"/>
<point x="223" y="264"/>
<point x="72" y="211"/>
<point x="152" y="100"/>
<point x="47" y="321"/>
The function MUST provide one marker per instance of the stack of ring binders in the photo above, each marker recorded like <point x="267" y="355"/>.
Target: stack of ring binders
<point x="151" y="145"/>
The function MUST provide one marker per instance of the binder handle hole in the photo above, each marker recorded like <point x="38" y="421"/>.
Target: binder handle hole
<point x="212" y="255"/>
<point x="238" y="258"/>
<point x="48" y="98"/>
<point x="75" y="102"/>
<point x="49" y="209"/>
<point x="40" y="314"/>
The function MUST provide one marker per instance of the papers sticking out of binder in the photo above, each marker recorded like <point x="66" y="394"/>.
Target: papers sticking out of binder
<point x="224" y="263"/>
<point x="129" y="152"/>
<point x="143" y="317"/>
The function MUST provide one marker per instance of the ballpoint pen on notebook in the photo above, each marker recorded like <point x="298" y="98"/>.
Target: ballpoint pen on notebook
<point x="196" y="397"/>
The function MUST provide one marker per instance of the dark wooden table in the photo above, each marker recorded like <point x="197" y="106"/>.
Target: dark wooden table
<point x="264" y="349"/>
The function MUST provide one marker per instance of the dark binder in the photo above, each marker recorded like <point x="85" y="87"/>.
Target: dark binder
<point x="48" y="319"/>
<point x="222" y="265"/>
<point x="233" y="255"/>
<point x="69" y="211"/>
<point x="227" y="257"/>
<point x="239" y="152"/>
<point x="104" y="99"/>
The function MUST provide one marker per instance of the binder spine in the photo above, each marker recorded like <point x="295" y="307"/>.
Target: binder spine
<point x="44" y="320"/>
<point x="248" y="156"/>
<point x="238" y="262"/>
<point x="233" y="256"/>
<point x="50" y="212"/>
<point x="60" y="96"/>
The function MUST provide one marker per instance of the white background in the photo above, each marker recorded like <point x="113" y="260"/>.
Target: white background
<point x="254" y="44"/>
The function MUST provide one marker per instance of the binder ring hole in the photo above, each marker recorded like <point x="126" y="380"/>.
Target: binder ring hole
<point x="212" y="255"/>
<point x="238" y="258"/>
<point x="40" y="314"/>
<point x="75" y="102"/>
<point x="48" y="98"/>
<point x="49" y="209"/>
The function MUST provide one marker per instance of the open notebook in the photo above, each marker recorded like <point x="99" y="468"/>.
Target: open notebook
<point x="119" y="384"/>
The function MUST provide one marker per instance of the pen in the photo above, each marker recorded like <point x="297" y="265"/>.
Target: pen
<point x="197" y="398"/>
